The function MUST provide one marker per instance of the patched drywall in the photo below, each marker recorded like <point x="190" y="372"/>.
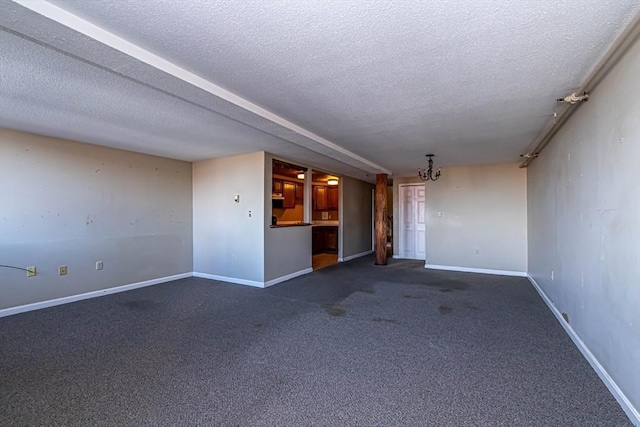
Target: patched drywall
<point x="356" y="216"/>
<point x="477" y="218"/>
<point x="228" y="236"/>
<point x="584" y="223"/>
<point x="66" y="203"/>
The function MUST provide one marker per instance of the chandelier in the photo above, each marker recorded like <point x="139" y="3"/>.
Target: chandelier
<point x="427" y="174"/>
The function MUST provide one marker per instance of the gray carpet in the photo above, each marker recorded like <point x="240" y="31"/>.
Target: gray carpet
<point x="352" y="344"/>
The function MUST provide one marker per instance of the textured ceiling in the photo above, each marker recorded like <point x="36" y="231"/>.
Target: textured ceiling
<point x="472" y="81"/>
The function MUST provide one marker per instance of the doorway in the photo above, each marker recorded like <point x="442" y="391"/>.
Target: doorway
<point x="411" y="226"/>
<point x="325" y="214"/>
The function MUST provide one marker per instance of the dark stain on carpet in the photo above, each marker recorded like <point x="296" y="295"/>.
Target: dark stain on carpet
<point x="444" y="309"/>
<point x="334" y="311"/>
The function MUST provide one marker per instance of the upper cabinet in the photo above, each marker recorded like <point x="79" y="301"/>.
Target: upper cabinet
<point x="320" y="198"/>
<point x="333" y="195"/>
<point x="277" y="186"/>
<point x="325" y="198"/>
<point x="289" y="194"/>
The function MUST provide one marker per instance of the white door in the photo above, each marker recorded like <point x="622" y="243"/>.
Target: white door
<point x="412" y="237"/>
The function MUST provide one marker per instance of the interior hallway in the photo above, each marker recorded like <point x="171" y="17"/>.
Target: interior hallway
<point x="351" y="344"/>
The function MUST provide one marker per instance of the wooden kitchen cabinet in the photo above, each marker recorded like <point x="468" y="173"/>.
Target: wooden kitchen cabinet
<point x="331" y="240"/>
<point x="333" y="195"/>
<point x="289" y="194"/>
<point x="299" y="191"/>
<point x="320" y="198"/>
<point x="317" y="240"/>
<point x="276" y="186"/>
<point x="325" y="240"/>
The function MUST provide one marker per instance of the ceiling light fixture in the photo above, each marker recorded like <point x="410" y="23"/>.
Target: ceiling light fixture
<point x="427" y="174"/>
<point x="301" y="175"/>
<point x="332" y="181"/>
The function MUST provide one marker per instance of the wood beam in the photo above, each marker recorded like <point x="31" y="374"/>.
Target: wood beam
<point x="381" y="219"/>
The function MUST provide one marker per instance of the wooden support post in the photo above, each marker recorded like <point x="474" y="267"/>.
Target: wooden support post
<point x="381" y="219"/>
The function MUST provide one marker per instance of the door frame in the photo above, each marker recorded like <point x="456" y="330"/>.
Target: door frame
<point x="400" y="221"/>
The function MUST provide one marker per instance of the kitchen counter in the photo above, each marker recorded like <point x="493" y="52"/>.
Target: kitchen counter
<point x="325" y="223"/>
<point x="283" y="224"/>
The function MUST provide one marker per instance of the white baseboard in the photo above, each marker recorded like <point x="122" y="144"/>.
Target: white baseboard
<point x="287" y="277"/>
<point x="235" y="280"/>
<point x="623" y="401"/>
<point x="254" y="283"/>
<point x="350" y="257"/>
<point x="402" y="257"/>
<point x="476" y="270"/>
<point x="94" y="294"/>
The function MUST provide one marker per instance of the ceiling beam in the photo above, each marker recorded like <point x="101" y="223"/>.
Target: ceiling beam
<point x="103" y="36"/>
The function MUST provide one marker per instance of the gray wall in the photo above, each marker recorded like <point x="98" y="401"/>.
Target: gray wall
<point x="66" y="203"/>
<point x="355" y="216"/>
<point x="484" y="218"/>
<point x="227" y="242"/>
<point x="286" y="250"/>
<point x="584" y="223"/>
<point x="483" y="222"/>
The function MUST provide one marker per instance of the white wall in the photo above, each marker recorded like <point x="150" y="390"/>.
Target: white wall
<point x="484" y="218"/>
<point x="66" y="203"/>
<point x="355" y="216"/>
<point x="227" y="242"/>
<point x="584" y="223"/>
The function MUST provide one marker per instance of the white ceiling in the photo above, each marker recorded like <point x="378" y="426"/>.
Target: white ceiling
<point x="353" y="87"/>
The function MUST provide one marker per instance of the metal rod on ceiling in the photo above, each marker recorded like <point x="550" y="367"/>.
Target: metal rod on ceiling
<point x="610" y="59"/>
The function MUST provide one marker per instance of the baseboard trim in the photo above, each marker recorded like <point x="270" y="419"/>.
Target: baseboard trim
<point x="235" y="280"/>
<point x="93" y="294"/>
<point x="620" y="397"/>
<point x="350" y="257"/>
<point x="253" y="283"/>
<point x="287" y="277"/>
<point x="476" y="270"/>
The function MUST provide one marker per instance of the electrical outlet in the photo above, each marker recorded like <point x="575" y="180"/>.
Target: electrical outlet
<point x="62" y="270"/>
<point x="31" y="271"/>
<point x="99" y="265"/>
